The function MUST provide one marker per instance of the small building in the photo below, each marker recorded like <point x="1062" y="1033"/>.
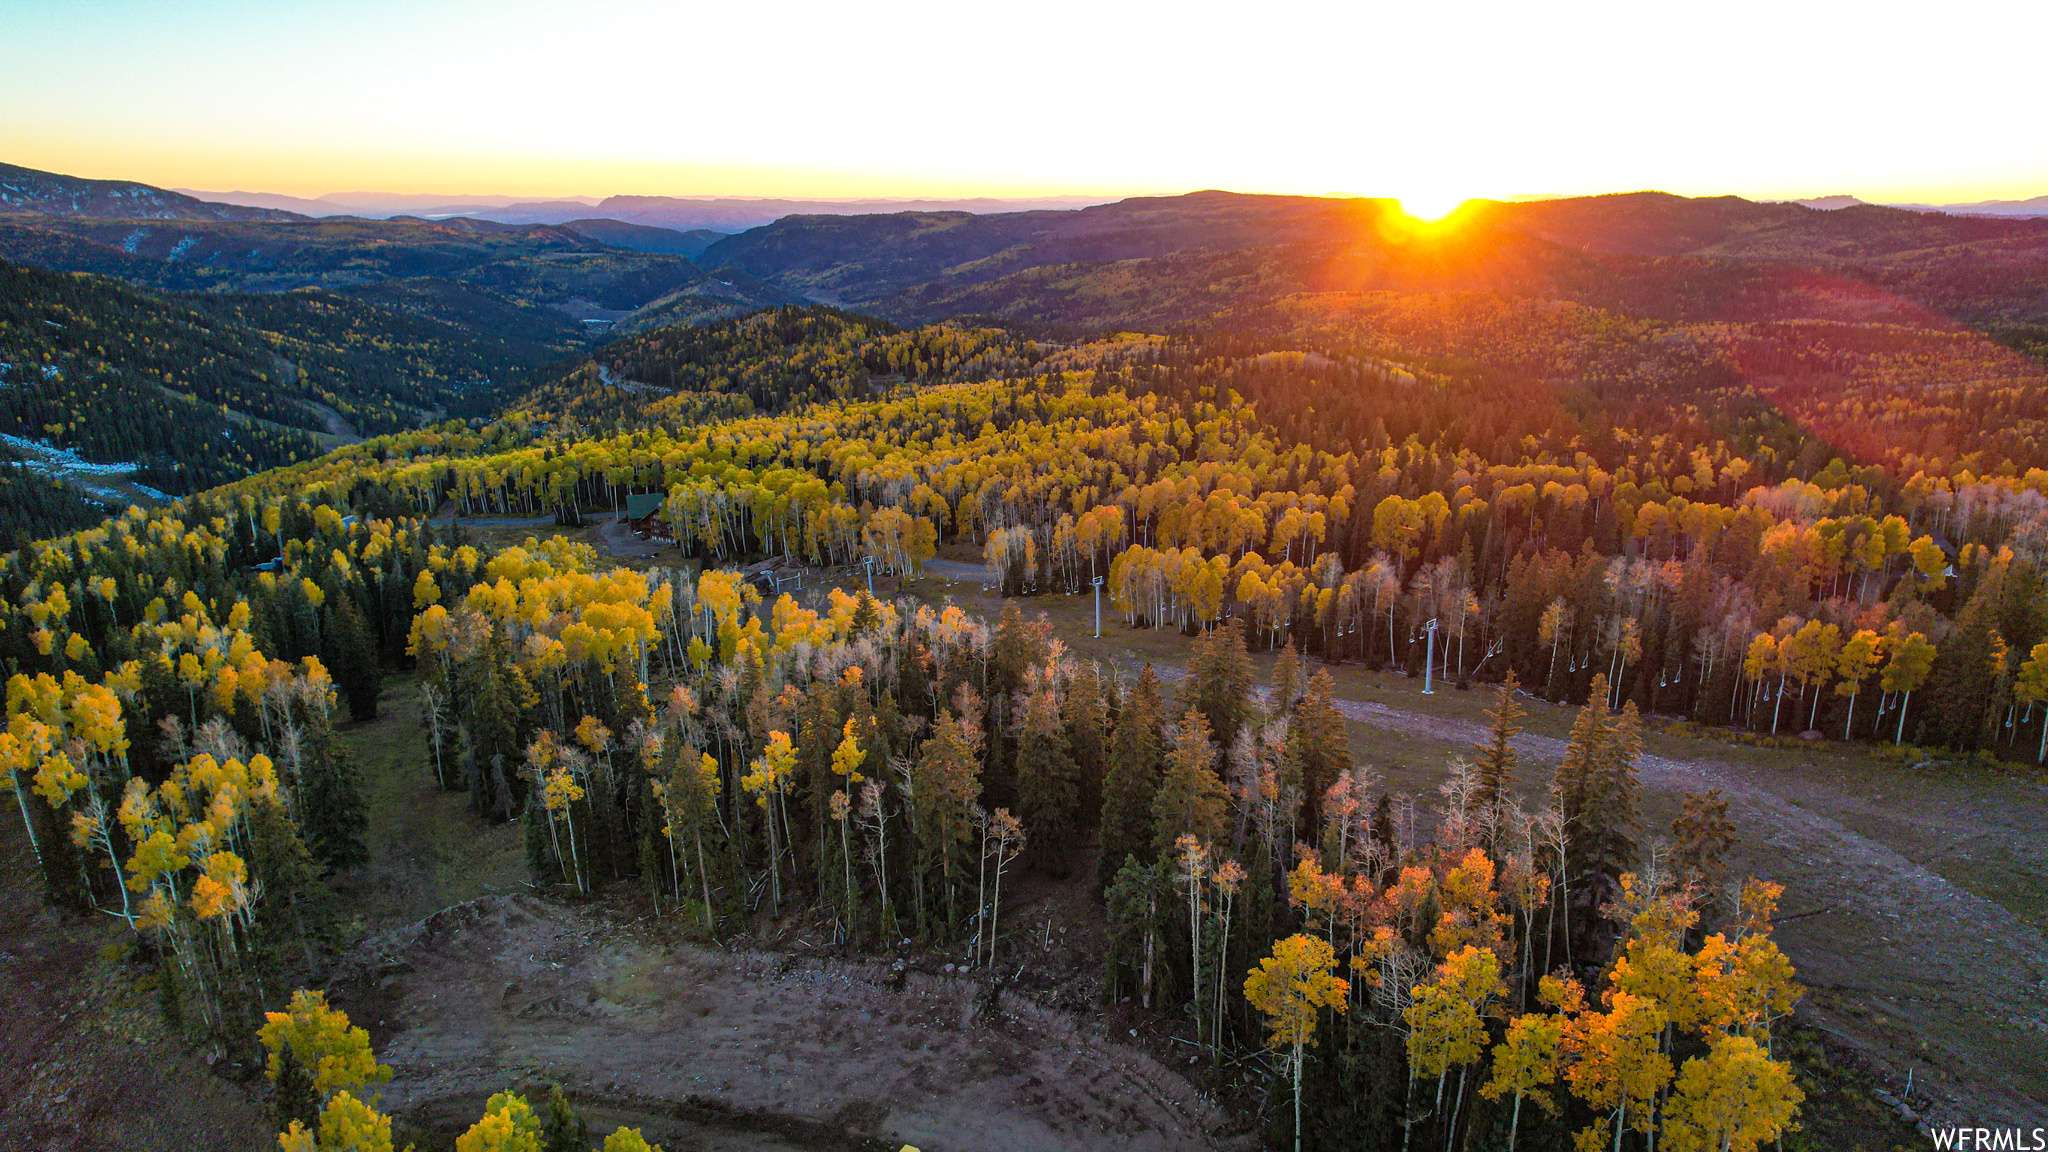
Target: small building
<point x="643" y="513"/>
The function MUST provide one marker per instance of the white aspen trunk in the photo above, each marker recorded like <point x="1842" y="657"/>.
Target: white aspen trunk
<point x="21" y="800"/>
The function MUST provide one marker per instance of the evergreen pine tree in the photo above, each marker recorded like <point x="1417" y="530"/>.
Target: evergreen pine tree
<point x="1137" y="896"/>
<point x="1318" y="746"/>
<point x="561" y="1129"/>
<point x="349" y="650"/>
<point x="293" y="1097"/>
<point x="1959" y="688"/>
<point x="490" y="735"/>
<point x="1048" y="786"/>
<point x="1286" y="682"/>
<point x="332" y="816"/>
<point x="1220" y="680"/>
<point x="1133" y="779"/>
<point x="1086" y="718"/>
<point x="1494" y="765"/>
<point x="1191" y="800"/>
<point x="289" y="878"/>
<point x="1597" y="791"/>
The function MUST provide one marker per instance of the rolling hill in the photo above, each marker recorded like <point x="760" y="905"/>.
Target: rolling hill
<point x="51" y="194"/>
<point x="112" y="394"/>
<point x="646" y="237"/>
<point x="537" y="291"/>
<point x="1882" y="334"/>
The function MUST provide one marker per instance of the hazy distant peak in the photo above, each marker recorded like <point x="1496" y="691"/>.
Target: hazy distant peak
<point x="1831" y="203"/>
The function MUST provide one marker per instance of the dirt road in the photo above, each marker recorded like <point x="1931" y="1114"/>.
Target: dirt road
<point x="1914" y="971"/>
<point x="717" y="1049"/>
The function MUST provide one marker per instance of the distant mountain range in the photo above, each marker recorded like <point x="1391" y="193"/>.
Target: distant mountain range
<point x="1168" y="263"/>
<point x="535" y="291"/>
<point x="739" y="213"/>
<point x="2018" y="209"/>
<point x="682" y="213"/>
<point x="381" y="205"/>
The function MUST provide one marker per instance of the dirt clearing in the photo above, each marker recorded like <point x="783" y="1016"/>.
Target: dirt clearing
<point x="86" y="1060"/>
<point x="711" y="1048"/>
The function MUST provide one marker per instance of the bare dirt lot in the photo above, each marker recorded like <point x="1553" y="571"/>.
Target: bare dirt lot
<point x="86" y="1060"/>
<point x="708" y="1048"/>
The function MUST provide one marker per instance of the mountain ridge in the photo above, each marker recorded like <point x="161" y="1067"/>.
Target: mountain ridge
<point x="54" y="194"/>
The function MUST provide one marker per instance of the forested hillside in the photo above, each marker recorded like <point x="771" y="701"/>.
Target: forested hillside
<point x="1700" y="568"/>
<point x="646" y="238"/>
<point x="765" y="362"/>
<point x="111" y="391"/>
<point x="1887" y="336"/>
<point x="530" y="288"/>
<point x="1638" y="469"/>
<point x="1667" y="256"/>
<point x="726" y="755"/>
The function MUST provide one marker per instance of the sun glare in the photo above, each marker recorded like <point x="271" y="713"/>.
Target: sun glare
<point x="1430" y="207"/>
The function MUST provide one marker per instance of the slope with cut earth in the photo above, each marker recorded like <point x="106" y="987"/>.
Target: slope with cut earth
<point x="728" y="1048"/>
<point x="86" y="1060"/>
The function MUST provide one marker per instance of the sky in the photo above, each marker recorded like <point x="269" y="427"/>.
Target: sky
<point x="1430" y="102"/>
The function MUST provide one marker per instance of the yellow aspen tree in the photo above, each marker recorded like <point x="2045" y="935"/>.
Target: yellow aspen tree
<point x="1193" y="857"/>
<point x="1654" y="964"/>
<point x="1447" y="1023"/>
<point x="323" y="1042"/>
<point x="1733" y="1099"/>
<point x="873" y="816"/>
<point x="1471" y="915"/>
<point x="23" y="743"/>
<point x="346" y="1125"/>
<point x="1319" y="896"/>
<point x="1744" y="985"/>
<point x="2031" y="688"/>
<point x="767" y="783"/>
<point x="1525" y="1065"/>
<point x="1853" y="669"/>
<point x="1908" y="660"/>
<point x="1003" y="840"/>
<point x="1757" y="664"/>
<point x="847" y="759"/>
<point x="1224" y="881"/>
<point x="1290" y="988"/>
<point x="1619" y="1065"/>
<point x="628" y="1140"/>
<point x="425" y="592"/>
<point x="508" y="1124"/>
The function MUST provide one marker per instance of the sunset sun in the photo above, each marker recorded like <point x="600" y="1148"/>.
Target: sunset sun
<point x="1430" y="207"/>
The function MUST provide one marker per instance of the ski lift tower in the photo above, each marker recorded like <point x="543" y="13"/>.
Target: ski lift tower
<point x="1428" y="657"/>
